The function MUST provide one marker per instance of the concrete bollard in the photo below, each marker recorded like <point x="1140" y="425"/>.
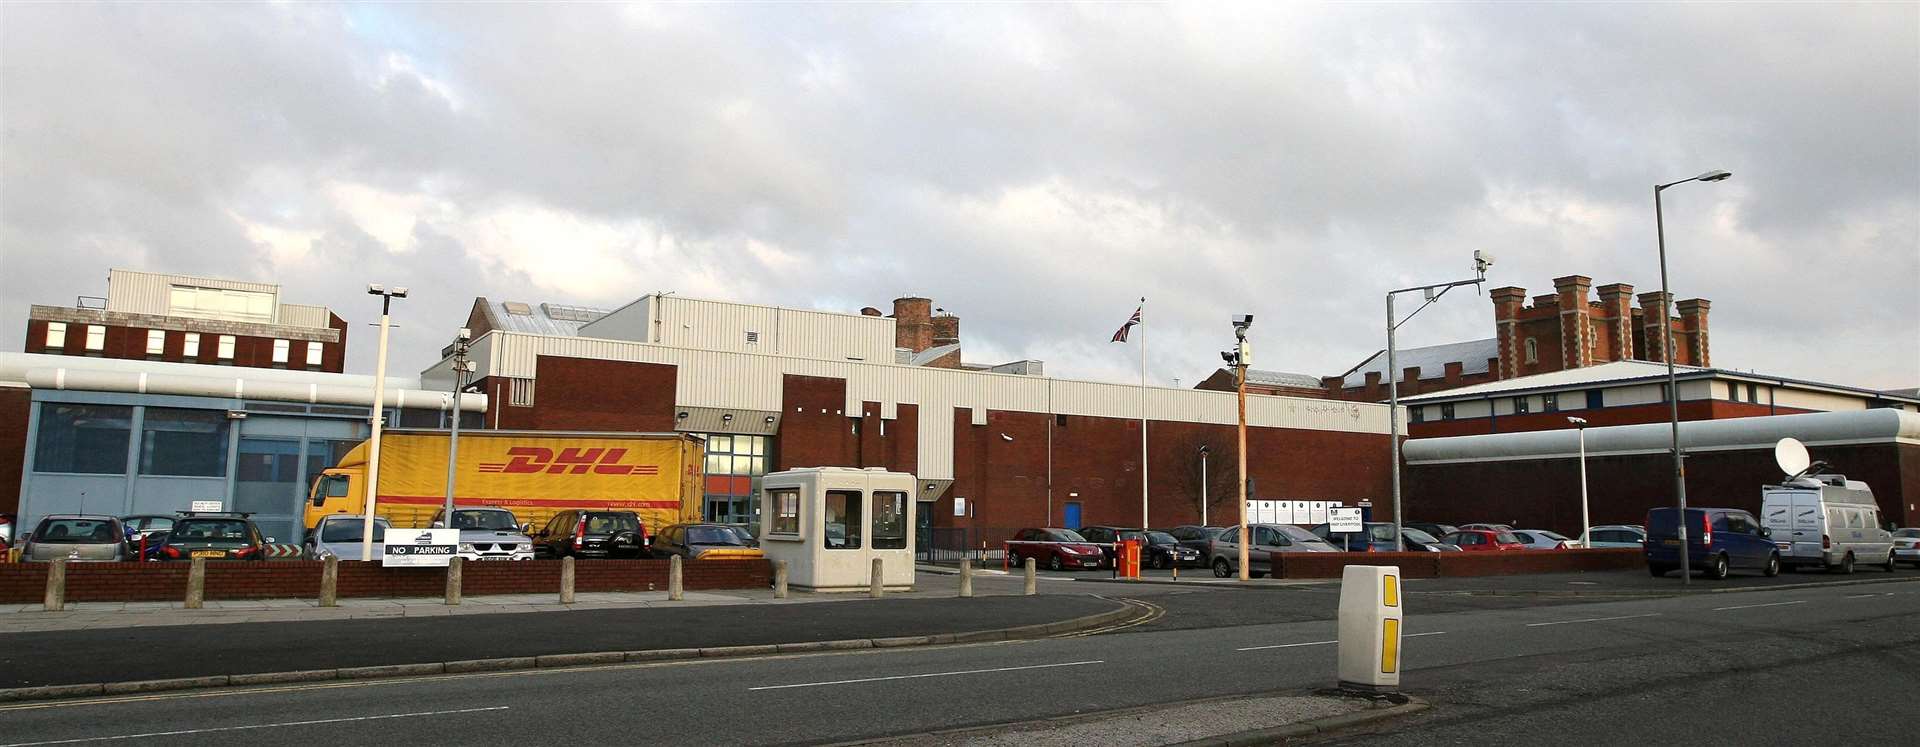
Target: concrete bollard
<point x="966" y="580"/>
<point x="453" y="580"/>
<point x="676" y="580"/>
<point x="56" y="586"/>
<point x="1033" y="579"/>
<point x="566" y="580"/>
<point x="780" y="579"/>
<point x="196" y="583"/>
<point x="330" y="582"/>
<point x="876" y="581"/>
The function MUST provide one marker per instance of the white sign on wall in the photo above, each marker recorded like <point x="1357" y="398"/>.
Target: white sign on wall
<point x="205" y="506"/>
<point x="420" y="548"/>
<point x="959" y="506"/>
<point x="1300" y="513"/>
<point x="1316" y="512"/>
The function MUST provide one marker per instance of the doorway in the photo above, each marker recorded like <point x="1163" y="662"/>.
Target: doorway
<point x="1071" y="514"/>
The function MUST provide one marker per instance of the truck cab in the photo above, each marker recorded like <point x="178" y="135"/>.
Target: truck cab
<point x="338" y="491"/>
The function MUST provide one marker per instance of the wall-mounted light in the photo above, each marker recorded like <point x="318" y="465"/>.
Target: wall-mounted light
<point x="236" y="414"/>
<point x="1005" y="437"/>
<point x="727" y="418"/>
<point x="769" y="420"/>
<point x="681" y="415"/>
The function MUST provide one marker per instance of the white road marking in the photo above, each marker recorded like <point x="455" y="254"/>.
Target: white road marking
<point x="919" y="676"/>
<point x="257" y="726"/>
<point x="1590" y="620"/>
<point x="1869" y="596"/>
<point x="1324" y="643"/>
<point x="1751" y="606"/>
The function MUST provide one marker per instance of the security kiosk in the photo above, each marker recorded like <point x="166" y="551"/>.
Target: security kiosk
<point x="831" y="523"/>
<point x="1370" y="614"/>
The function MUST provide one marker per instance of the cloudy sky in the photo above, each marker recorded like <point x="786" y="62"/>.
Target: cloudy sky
<point x="1033" y="168"/>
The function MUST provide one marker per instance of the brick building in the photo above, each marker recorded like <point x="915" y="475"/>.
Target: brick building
<point x="189" y="319"/>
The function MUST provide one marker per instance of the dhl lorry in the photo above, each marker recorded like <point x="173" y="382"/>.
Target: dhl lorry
<point x="534" y="474"/>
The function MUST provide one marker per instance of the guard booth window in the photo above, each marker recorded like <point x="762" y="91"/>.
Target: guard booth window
<point x="889" y="520"/>
<point x="786" y="512"/>
<point x="844" y="524"/>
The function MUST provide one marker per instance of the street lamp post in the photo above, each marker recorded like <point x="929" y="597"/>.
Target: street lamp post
<point x="1667" y="353"/>
<point x="379" y="413"/>
<point x="461" y="345"/>
<point x="1203" y="484"/>
<point x="1432" y="293"/>
<point x="1240" y="357"/>
<point x="1586" y="524"/>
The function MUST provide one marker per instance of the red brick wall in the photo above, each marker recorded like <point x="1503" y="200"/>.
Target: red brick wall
<point x="25" y="583"/>
<point x="585" y="394"/>
<point x="1573" y="404"/>
<point x="814" y="429"/>
<point x="130" y="343"/>
<point x="1437" y="564"/>
<point x="15" y="405"/>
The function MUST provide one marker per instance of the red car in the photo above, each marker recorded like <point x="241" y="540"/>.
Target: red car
<point x="1054" y="549"/>
<point x="1485" y="540"/>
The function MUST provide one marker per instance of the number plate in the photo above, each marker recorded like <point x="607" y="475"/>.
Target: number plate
<point x="1670" y="542"/>
<point x="209" y="553"/>
<point x="496" y="557"/>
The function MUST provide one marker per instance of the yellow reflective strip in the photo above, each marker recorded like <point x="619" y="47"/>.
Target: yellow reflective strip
<point x="1389" y="646"/>
<point x="1390" y="590"/>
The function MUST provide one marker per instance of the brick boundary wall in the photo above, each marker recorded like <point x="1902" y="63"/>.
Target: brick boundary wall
<point x="26" y="583"/>
<point x="1452" y="564"/>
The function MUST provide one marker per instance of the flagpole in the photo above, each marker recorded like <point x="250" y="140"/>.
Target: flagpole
<point x="1145" y="522"/>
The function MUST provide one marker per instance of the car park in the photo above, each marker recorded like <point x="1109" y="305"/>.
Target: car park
<point x="1267" y="539"/>
<point x="1719" y="540"/>
<point x="1544" y="539"/>
<point x="703" y="542"/>
<point x="1906" y="545"/>
<point x="1484" y="540"/>
<point x="488" y="533"/>
<point x="1053" y="548"/>
<point x="146" y="530"/>
<point x="339" y="535"/>
<point x="1416" y="540"/>
<point x="214" y="536"/>
<point x="592" y="534"/>
<point x="76" y="538"/>
<point x="1617" y="535"/>
<point x="1196" y="537"/>
<point x="1377" y="537"/>
<point x="1159" y="549"/>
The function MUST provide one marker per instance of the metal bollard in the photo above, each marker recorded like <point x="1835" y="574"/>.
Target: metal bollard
<point x="966" y="580"/>
<point x="56" y="586"/>
<point x="1176" y="569"/>
<point x="675" y="581"/>
<point x="1033" y="579"/>
<point x="453" y="580"/>
<point x="566" y="580"/>
<point x="196" y="583"/>
<point x="780" y="579"/>
<point x="330" y="582"/>
<point x="876" y="583"/>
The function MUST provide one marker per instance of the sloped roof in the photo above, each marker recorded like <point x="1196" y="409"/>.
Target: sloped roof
<point x="540" y="319"/>
<point x="1606" y="372"/>
<point x="1282" y="378"/>
<point x="1432" y="360"/>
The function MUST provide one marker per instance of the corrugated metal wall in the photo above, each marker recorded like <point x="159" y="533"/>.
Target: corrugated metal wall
<point x="302" y="315"/>
<point x="150" y="293"/>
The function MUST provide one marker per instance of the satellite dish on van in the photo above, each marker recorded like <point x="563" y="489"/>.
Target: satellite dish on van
<point x="1792" y="457"/>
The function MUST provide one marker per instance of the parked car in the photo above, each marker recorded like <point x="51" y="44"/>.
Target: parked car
<point x="340" y="534"/>
<point x="1718" y="541"/>
<point x="1053" y="548"/>
<point x="7" y="524"/>
<point x="214" y="536"/>
<point x="703" y="542"/>
<point x="1489" y="527"/>
<point x="1196" y="537"/>
<point x="1544" y="539"/>
<point x="1437" y="530"/>
<point x="1419" y="541"/>
<point x="488" y="533"/>
<point x="152" y="528"/>
<point x="76" y="538"/>
<point x="1906" y="545"/>
<point x="592" y="534"/>
<point x="745" y="533"/>
<point x="1267" y="539"/>
<point x="1378" y="537"/>
<point x="1162" y="550"/>
<point x="1484" y="540"/>
<point x="1617" y="535"/>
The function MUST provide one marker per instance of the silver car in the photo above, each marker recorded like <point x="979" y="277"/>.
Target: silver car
<point x="1906" y="545"/>
<point x="1617" y="535"/>
<point x="77" y="538"/>
<point x="1544" y="539"/>
<point x="488" y="534"/>
<point x="339" y="535"/>
<point x="1267" y="539"/>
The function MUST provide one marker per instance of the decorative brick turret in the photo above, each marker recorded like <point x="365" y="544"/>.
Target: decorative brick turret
<point x="1651" y="303"/>
<point x="1576" y="342"/>
<point x="1615" y="323"/>
<point x="1693" y="326"/>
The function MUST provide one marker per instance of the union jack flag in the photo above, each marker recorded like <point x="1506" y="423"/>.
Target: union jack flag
<point x="1121" y="336"/>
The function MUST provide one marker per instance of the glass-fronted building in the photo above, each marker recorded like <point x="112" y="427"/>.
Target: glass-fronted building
<point x="733" y="461"/>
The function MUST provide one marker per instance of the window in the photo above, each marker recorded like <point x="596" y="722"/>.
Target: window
<point x="1753" y="393"/>
<point x="843" y="520"/>
<point x="156" y="341"/>
<point x="1550" y="402"/>
<point x="217" y="303"/>
<point x="1446" y="411"/>
<point x="889" y="520"/>
<point x="226" y="347"/>
<point x="520" y="392"/>
<point x="56" y="334"/>
<point x="190" y="345"/>
<point x="314" y="351"/>
<point x="1060" y="421"/>
<point x="1533" y="350"/>
<point x="786" y="512"/>
<point x="96" y="337"/>
<point x="753" y="338"/>
<point x="1520" y="406"/>
<point x="280" y="350"/>
<point x="1416" y="414"/>
<point x="1663" y="392"/>
<point x="85" y="439"/>
<point x="183" y="443"/>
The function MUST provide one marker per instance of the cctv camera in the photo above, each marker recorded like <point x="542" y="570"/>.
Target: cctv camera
<point x="1243" y="321"/>
<point x="463" y="335"/>
<point x="1481" y="261"/>
<point x="1227" y="355"/>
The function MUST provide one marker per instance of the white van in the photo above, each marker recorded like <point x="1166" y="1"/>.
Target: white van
<point x="1827" y="521"/>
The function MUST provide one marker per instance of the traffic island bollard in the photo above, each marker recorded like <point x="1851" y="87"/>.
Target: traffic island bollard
<point x="780" y="579"/>
<point x="56" y="599"/>
<point x="196" y="583"/>
<point x="1370" y="617"/>
<point x="676" y="589"/>
<point x="876" y="586"/>
<point x="566" y="580"/>
<point x="966" y="580"/>
<point x="1033" y="579"/>
<point x="453" y="580"/>
<point x="330" y="582"/>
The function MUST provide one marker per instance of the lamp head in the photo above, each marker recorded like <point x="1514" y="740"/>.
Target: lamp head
<point x="400" y="291"/>
<point x="1578" y="422"/>
<point x="376" y="289"/>
<point x="1714" y="175"/>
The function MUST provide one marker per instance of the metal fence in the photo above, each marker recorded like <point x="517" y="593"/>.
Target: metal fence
<point x="956" y="544"/>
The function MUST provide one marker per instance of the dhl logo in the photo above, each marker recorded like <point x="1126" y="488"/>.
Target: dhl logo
<point x="525" y="460"/>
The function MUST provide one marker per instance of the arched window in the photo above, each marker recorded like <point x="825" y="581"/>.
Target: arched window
<point x="1533" y="350"/>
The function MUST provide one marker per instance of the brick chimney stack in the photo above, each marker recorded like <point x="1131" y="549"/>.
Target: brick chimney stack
<point x="1576" y="334"/>
<point x="1651" y="303"/>
<point x="1693" y="328"/>
<point x="1506" y="319"/>
<point x="1616" y="322"/>
<point x="913" y="323"/>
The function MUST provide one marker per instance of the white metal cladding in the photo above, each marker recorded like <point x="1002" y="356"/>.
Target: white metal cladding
<point x="709" y="378"/>
<point x="628" y="322"/>
<point x="832" y="336"/>
<point x="152" y="292"/>
<point x="302" y="315"/>
<point x="1814" y="429"/>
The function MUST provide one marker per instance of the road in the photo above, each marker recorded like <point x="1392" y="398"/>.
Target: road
<point x="1727" y="667"/>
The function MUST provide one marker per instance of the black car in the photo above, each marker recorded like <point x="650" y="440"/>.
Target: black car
<point x="592" y="534"/>
<point x="1196" y="537"/>
<point x="693" y="541"/>
<point x="222" y="536"/>
<point x="1437" y="530"/>
<point x="1162" y="550"/>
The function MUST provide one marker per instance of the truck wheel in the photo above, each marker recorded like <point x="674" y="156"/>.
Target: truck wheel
<point x="1221" y="569"/>
<point x="1773" y="565"/>
<point x="1717" y="570"/>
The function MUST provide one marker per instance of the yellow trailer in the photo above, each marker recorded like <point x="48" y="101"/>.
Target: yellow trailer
<point x="534" y="474"/>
